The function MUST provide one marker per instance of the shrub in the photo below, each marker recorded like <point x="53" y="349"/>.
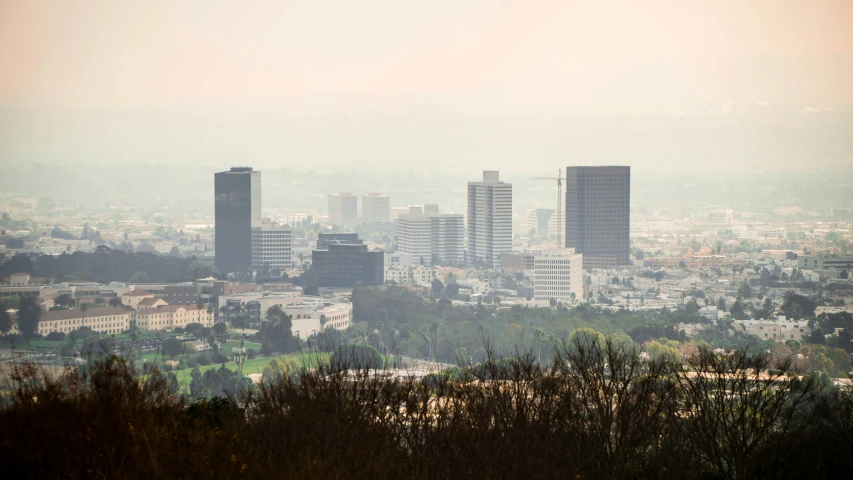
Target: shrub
<point x="356" y="356"/>
<point x="55" y="336"/>
<point x="219" y="358"/>
<point x="203" y="360"/>
<point x="252" y="353"/>
<point x="194" y="327"/>
<point x="81" y="333"/>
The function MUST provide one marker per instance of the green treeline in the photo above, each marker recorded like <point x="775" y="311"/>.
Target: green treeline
<point x="409" y="324"/>
<point x="106" y="265"/>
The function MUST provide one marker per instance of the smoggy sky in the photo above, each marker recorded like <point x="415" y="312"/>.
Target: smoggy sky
<point x="119" y="53"/>
<point x="499" y="59"/>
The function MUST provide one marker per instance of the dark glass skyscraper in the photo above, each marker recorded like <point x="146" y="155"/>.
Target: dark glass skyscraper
<point x="238" y="209"/>
<point x="598" y="215"/>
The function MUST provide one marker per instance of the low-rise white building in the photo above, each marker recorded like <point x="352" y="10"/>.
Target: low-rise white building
<point x="558" y="274"/>
<point x="777" y="330"/>
<point x="417" y="275"/>
<point x="308" y="315"/>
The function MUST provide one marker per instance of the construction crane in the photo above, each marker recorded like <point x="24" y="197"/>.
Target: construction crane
<point x="559" y="179"/>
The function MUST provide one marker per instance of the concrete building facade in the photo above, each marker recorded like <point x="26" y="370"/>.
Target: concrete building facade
<point x="431" y="238"/>
<point x="489" y="220"/>
<point x="414" y="236"/>
<point x="558" y="274"/>
<point x="272" y="246"/>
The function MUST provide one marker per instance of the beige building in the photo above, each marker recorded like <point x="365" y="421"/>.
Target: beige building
<point x="169" y="317"/>
<point x="150" y="302"/>
<point x="133" y="297"/>
<point x="19" y="279"/>
<point x="100" y="319"/>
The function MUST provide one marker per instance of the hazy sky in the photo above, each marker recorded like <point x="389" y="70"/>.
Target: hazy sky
<point x="207" y="68"/>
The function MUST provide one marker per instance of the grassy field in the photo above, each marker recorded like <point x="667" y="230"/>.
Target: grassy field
<point x="307" y="360"/>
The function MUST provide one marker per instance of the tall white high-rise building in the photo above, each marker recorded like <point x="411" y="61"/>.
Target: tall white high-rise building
<point x="489" y="220"/>
<point x="414" y="236"/>
<point x="558" y="273"/>
<point x="376" y="207"/>
<point x="448" y="238"/>
<point x="272" y="246"/>
<point x="343" y="209"/>
<point x="431" y="238"/>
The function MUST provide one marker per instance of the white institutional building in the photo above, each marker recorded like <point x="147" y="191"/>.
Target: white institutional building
<point x="489" y="220"/>
<point x="430" y="237"/>
<point x="558" y="273"/>
<point x="308" y="315"/>
<point x="272" y="246"/>
<point x="376" y="207"/>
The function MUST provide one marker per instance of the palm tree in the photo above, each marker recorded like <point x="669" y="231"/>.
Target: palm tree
<point x="83" y="309"/>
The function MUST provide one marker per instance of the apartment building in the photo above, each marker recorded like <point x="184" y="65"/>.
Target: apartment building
<point x="489" y="220"/>
<point x="429" y="237"/>
<point x="416" y="275"/>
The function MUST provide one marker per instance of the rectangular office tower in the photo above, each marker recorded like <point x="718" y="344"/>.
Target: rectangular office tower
<point x="272" y="247"/>
<point x="598" y="214"/>
<point x="237" y="209"/>
<point x="375" y="207"/>
<point x="489" y="220"/>
<point x="345" y="265"/>
<point x="343" y="209"/>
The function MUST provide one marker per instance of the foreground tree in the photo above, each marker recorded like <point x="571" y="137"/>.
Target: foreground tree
<point x="29" y="315"/>
<point x="5" y="319"/>
<point x="276" y="332"/>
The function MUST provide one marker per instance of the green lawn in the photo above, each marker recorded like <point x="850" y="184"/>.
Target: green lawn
<point x="42" y="343"/>
<point x="307" y="360"/>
